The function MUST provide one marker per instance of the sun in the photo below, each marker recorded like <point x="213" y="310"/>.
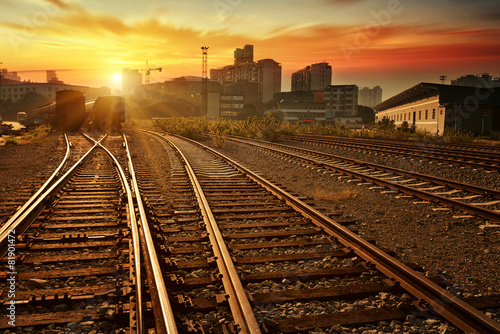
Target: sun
<point x="117" y="78"/>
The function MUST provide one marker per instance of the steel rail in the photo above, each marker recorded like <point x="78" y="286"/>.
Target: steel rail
<point x="238" y="301"/>
<point x="444" y="182"/>
<point x="488" y="150"/>
<point x="477" y="210"/>
<point x="40" y="191"/>
<point x="165" y="321"/>
<point x="135" y="237"/>
<point x="440" y="301"/>
<point x="409" y="152"/>
<point x="24" y="220"/>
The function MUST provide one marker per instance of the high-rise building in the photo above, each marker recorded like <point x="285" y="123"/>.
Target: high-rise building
<point x="9" y="77"/>
<point x="369" y="97"/>
<point x="312" y="77"/>
<point x="479" y="80"/>
<point x="244" y="55"/>
<point x="52" y="77"/>
<point x="342" y="100"/>
<point x="130" y="80"/>
<point x="266" y="73"/>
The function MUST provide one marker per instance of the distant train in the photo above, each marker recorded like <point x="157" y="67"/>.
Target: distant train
<point x="70" y="112"/>
<point x="108" y="112"/>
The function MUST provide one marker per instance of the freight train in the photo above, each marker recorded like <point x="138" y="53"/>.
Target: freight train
<point x="70" y="112"/>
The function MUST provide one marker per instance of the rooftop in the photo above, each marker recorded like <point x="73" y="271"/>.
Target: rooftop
<point x="448" y="94"/>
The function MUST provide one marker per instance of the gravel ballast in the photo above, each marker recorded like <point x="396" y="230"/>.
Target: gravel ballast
<point x="455" y="248"/>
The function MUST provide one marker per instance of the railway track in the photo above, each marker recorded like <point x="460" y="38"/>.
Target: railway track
<point x="480" y="201"/>
<point x="473" y="156"/>
<point x="210" y="247"/>
<point x="70" y="256"/>
<point x="10" y="201"/>
<point x="252" y="258"/>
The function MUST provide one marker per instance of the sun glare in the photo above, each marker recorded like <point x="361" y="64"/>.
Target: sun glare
<point x="117" y="78"/>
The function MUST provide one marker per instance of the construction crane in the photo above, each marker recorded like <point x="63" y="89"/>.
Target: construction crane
<point x="148" y="71"/>
<point x="204" y="80"/>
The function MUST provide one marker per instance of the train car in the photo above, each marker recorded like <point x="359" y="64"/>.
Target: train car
<point x="70" y="110"/>
<point x="45" y="114"/>
<point x="108" y="113"/>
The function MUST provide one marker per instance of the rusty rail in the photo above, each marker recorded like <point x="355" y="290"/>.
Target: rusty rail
<point x="439" y="300"/>
<point x="36" y="204"/>
<point x="238" y="301"/>
<point x="482" y="212"/>
<point x="409" y="150"/>
<point x="135" y="237"/>
<point x="165" y="321"/>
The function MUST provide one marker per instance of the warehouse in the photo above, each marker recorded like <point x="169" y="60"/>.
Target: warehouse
<point x="434" y="107"/>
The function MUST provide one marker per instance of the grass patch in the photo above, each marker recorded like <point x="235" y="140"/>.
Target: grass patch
<point x="334" y="196"/>
<point x="11" y="142"/>
<point x="36" y="135"/>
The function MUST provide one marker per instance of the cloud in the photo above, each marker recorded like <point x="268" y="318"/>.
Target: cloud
<point x="58" y="3"/>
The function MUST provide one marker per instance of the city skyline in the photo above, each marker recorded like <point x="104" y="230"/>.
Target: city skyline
<point x="393" y="44"/>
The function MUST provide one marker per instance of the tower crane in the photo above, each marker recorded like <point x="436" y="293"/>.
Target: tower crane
<point x="148" y="71"/>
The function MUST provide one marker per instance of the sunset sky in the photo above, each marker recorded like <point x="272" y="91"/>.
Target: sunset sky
<point x="390" y="43"/>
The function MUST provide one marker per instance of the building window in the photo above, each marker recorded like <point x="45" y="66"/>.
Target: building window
<point x="409" y="116"/>
<point x="440" y="111"/>
<point x="419" y="115"/>
<point x="405" y="117"/>
<point x="15" y="89"/>
<point x="21" y="89"/>
<point x="426" y="114"/>
<point x="433" y="113"/>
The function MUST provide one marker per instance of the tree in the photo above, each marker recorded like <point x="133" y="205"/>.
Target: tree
<point x="30" y="101"/>
<point x="249" y="111"/>
<point x="386" y="124"/>
<point x="367" y="114"/>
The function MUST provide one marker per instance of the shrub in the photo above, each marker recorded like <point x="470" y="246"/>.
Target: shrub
<point x="11" y="142"/>
<point x="218" y="132"/>
<point x="458" y="136"/>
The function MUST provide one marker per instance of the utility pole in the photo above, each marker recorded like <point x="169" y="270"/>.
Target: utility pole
<point x="204" y="80"/>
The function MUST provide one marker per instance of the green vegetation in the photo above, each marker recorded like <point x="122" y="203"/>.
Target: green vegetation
<point x="11" y="142"/>
<point x="189" y="127"/>
<point x="458" y="136"/>
<point x="36" y="135"/>
<point x="218" y="132"/>
<point x="271" y="128"/>
<point x="268" y="128"/>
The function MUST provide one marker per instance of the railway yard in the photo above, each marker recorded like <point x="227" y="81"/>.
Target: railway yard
<point x="149" y="233"/>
